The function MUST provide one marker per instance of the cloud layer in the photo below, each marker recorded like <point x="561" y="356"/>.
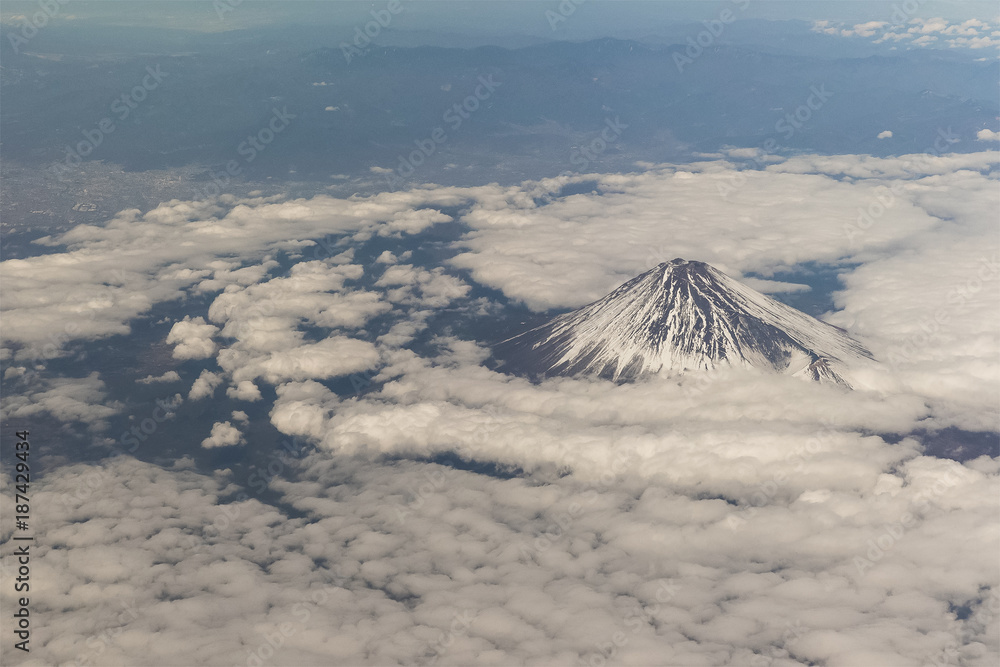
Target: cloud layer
<point x="722" y="519"/>
<point x="414" y="563"/>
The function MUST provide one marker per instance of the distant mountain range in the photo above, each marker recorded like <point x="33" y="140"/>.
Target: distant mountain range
<point x="552" y="99"/>
<point x="684" y="316"/>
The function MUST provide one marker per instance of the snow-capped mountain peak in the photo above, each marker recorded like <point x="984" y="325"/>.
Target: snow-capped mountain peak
<point x="684" y="316"/>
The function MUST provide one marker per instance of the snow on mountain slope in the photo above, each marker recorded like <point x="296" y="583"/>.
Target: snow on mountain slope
<point x="682" y="316"/>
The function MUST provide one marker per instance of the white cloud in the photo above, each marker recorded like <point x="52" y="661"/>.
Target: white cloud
<point x="884" y="134"/>
<point x="264" y="319"/>
<point x="192" y="338"/>
<point x="926" y="26"/>
<point x="414" y="561"/>
<point x="739" y="221"/>
<point x="560" y="253"/>
<point x="267" y="314"/>
<point x="774" y="286"/>
<point x="244" y="391"/>
<point x="433" y="289"/>
<point x="224" y="434"/>
<point x="988" y="135"/>
<point x="303" y="408"/>
<point x="115" y="272"/>
<point x="971" y="34"/>
<point x="204" y="386"/>
<point x="328" y="358"/>
<point x="169" y="376"/>
<point x="766" y="509"/>
<point x="868" y="29"/>
<point x="67" y="399"/>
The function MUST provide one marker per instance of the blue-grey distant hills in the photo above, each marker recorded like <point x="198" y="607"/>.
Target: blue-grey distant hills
<point x="553" y="100"/>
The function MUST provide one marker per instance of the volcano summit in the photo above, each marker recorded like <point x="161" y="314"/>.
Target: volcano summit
<point x="683" y="316"/>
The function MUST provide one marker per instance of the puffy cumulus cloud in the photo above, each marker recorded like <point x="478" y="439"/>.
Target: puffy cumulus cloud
<point x="266" y="321"/>
<point x="866" y="29"/>
<point x="387" y="257"/>
<point x="722" y="434"/>
<point x="267" y="314"/>
<point x="415" y="563"/>
<point x="884" y="134"/>
<point x="782" y="529"/>
<point x="932" y="316"/>
<point x="328" y="358"/>
<point x="14" y="372"/>
<point x="204" y="386"/>
<point x="404" y="331"/>
<point x="244" y="390"/>
<point x="988" y="135"/>
<point x="922" y="26"/>
<point x="413" y="285"/>
<point x="192" y="338"/>
<point x="110" y="274"/>
<point x="970" y="34"/>
<point x="725" y="518"/>
<point x="224" y="434"/>
<point x="169" y="376"/>
<point x="81" y="400"/>
<point x="740" y="220"/>
<point x="303" y="409"/>
<point x="929" y="308"/>
<point x="225" y="273"/>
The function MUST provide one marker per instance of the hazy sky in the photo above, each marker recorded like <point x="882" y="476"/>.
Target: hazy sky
<point x="591" y="18"/>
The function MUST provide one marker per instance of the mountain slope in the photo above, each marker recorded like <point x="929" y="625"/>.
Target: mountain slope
<point x="682" y="316"/>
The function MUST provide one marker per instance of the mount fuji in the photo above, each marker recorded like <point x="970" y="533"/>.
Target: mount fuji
<point x="684" y="316"/>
